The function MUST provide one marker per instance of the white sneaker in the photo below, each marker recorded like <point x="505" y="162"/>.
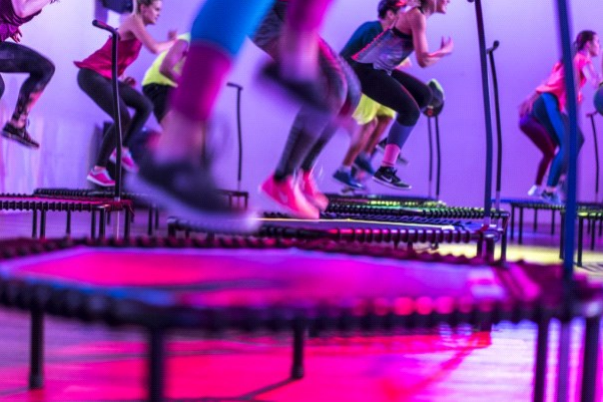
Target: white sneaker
<point x="535" y="191"/>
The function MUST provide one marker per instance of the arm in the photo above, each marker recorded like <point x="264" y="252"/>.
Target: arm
<point x="418" y="25"/>
<point x="25" y="8"/>
<point x="591" y="75"/>
<point x="171" y="60"/>
<point x="135" y="25"/>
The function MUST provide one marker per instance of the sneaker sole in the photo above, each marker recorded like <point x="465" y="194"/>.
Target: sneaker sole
<point x="247" y="223"/>
<point x="386" y="184"/>
<point x="19" y="140"/>
<point x="99" y="183"/>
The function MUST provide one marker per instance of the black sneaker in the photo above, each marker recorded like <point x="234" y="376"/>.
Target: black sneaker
<point x="363" y="163"/>
<point x="387" y="176"/>
<point x="381" y="148"/>
<point x="308" y="92"/>
<point x="20" y="135"/>
<point x="189" y="192"/>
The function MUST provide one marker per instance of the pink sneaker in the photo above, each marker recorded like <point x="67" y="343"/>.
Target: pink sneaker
<point x="126" y="160"/>
<point x="310" y="190"/>
<point x="287" y="194"/>
<point x="100" y="177"/>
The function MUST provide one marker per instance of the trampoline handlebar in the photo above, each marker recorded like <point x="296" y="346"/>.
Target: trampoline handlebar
<point x="105" y="27"/>
<point x="591" y="114"/>
<point x="495" y="46"/>
<point x="234" y="85"/>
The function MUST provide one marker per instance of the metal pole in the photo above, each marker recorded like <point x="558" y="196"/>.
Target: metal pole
<point x="490" y="52"/>
<point x="429" y="134"/>
<point x="239" y="89"/>
<point x="487" y="110"/>
<point x="571" y="138"/>
<point x="592" y="122"/>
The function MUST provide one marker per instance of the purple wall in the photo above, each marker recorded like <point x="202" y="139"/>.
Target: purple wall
<point x="65" y="118"/>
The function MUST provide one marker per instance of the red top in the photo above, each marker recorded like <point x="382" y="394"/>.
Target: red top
<point x="555" y="84"/>
<point x="9" y="21"/>
<point x="100" y="61"/>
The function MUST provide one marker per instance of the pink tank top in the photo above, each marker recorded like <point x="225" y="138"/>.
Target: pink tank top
<point x="9" y="21"/>
<point x="555" y="83"/>
<point x="100" y="61"/>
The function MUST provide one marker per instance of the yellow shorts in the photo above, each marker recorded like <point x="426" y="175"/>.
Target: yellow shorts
<point x="368" y="109"/>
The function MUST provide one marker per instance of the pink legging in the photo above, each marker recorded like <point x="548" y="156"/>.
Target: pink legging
<point x="543" y="141"/>
<point x="215" y="45"/>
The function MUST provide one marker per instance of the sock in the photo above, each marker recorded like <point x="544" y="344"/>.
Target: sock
<point x="391" y="155"/>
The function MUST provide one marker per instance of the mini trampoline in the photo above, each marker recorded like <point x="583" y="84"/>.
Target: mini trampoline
<point x="381" y="225"/>
<point x="285" y="286"/>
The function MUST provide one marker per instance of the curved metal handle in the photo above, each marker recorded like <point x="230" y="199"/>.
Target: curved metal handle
<point x="105" y="27"/>
<point x="495" y="46"/>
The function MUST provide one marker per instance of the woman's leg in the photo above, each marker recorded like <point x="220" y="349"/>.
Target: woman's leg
<point x="15" y="58"/>
<point x="390" y="91"/>
<point x="546" y="110"/>
<point x="543" y="141"/>
<point x="100" y="90"/>
<point x="174" y="174"/>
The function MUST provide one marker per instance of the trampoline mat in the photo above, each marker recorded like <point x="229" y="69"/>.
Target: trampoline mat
<point x="229" y="278"/>
<point x="356" y="223"/>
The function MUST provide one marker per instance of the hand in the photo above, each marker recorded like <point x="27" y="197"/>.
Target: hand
<point x="130" y="81"/>
<point x="17" y="36"/>
<point x="173" y="35"/>
<point x="447" y="45"/>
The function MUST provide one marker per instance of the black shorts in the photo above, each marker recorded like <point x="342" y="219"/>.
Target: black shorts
<point x="160" y="96"/>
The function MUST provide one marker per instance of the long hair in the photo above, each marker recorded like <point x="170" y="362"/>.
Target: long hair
<point x="583" y="38"/>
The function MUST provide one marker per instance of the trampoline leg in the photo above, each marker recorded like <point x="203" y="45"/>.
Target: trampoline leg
<point x="68" y="225"/>
<point x="520" y="240"/>
<point x="171" y="230"/>
<point x="150" y="223"/>
<point x="156" y="218"/>
<point x="562" y="238"/>
<point x="93" y="224"/>
<point x="542" y="347"/>
<point x="102" y="224"/>
<point x="600" y="227"/>
<point x="127" y="224"/>
<point x="592" y="235"/>
<point x="580" y="240"/>
<point x="553" y="216"/>
<point x="43" y="223"/>
<point x="36" y="358"/>
<point x="156" y="362"/>
<point x="503" y="246"/>
<point x="490" y="249"/>
<point x="563" y="372"/>
<point x="480" y="248"/>
<point x="590" y="358"/>
<point x="34" y="224"/>
<point x="297" y="370"/>
<point x="512" y="223"/>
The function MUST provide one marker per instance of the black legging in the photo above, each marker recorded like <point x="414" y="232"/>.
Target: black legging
<point x="100" y="90"/>
<point x="15" y="58"/>
<point x="400" y="91"/>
